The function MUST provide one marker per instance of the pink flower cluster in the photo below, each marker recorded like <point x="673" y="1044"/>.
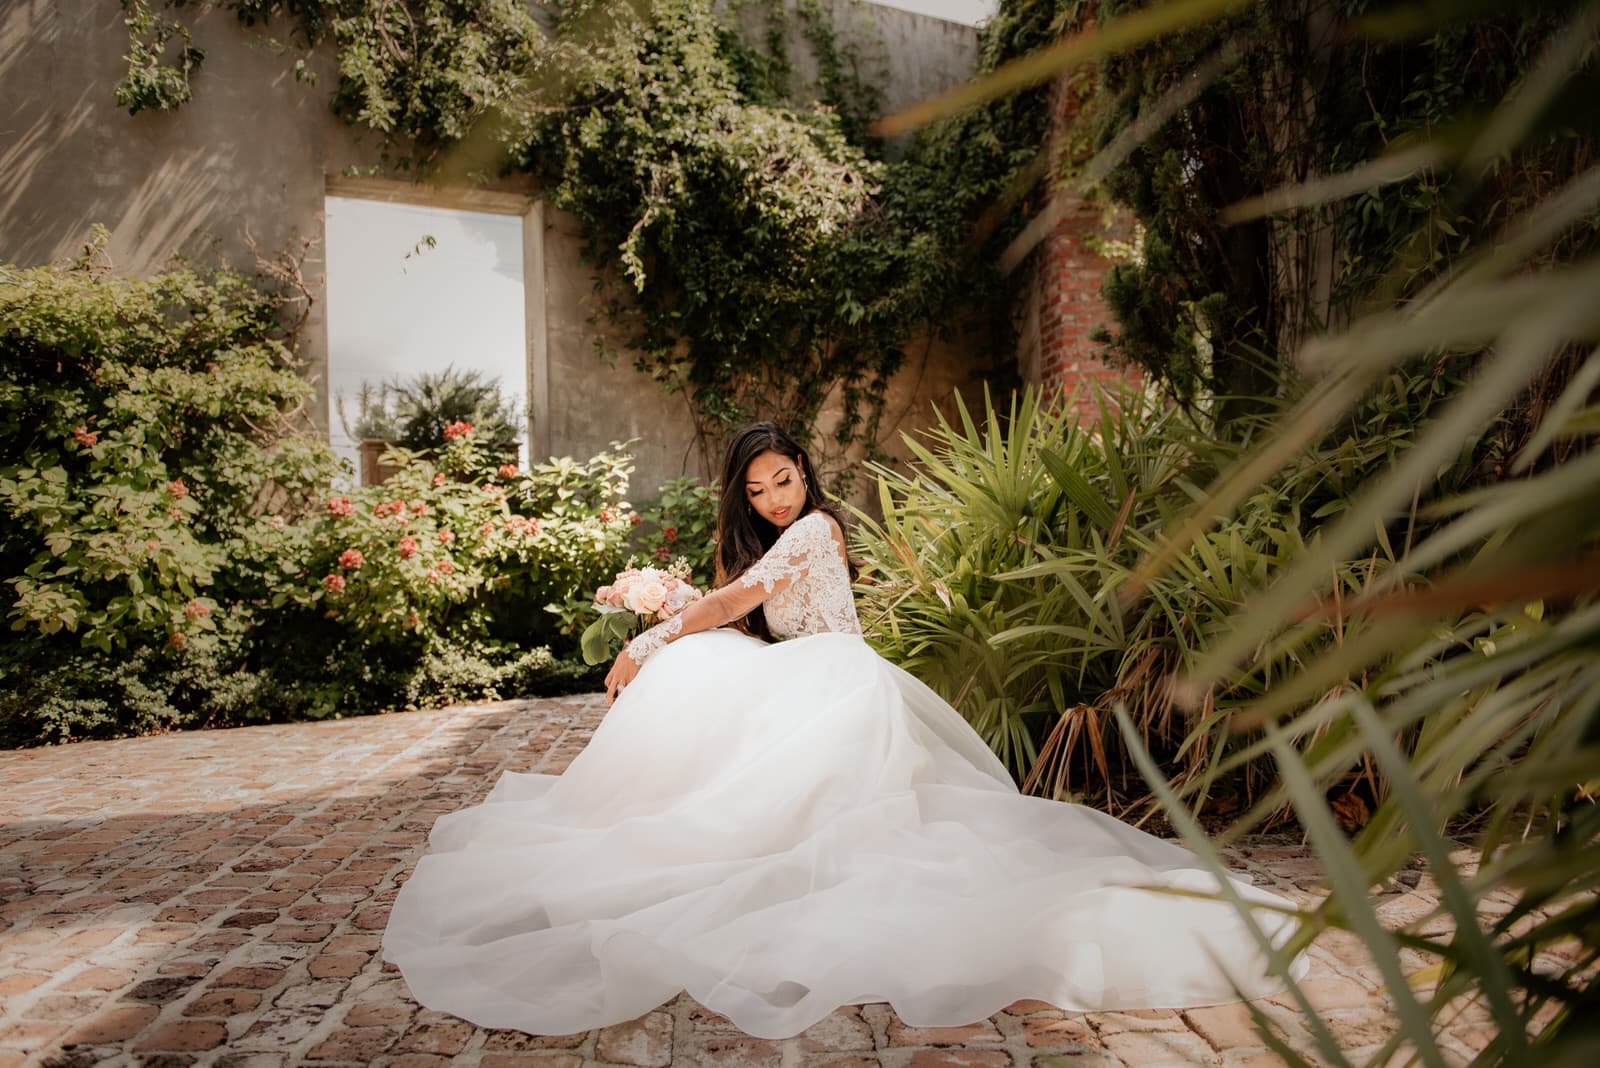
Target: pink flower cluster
<point x="351" y="559"/>
<point x="650" y="592"/>
<point x="383" y="508"/>
<point x="508" y="471"/>
<point x="341" y="507"/>
<point x="521" y="525"/>
<point x="85" y="437"/>
<point x="459" y="429"/>
<point x="177" y="489"/>
<point x="196" y="610"/>
<point x="408" y="548"/>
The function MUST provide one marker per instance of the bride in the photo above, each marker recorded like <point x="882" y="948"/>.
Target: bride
<point x="783" y="827"/>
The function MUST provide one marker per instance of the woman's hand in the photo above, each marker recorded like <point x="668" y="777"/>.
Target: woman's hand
<point x="622" y="672"/>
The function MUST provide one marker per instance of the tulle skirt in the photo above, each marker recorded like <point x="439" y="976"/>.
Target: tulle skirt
<point x="784" y="829"/>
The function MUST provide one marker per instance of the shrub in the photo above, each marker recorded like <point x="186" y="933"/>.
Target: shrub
<point x="146" y="426"/>
<point x="431" y="551"/>
<point x="681" y="522"/>
<point x="171" y="555"/>
<point x="1003" y="575"/>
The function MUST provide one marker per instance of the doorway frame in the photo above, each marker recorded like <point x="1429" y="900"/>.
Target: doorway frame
<point x="535" y="312"/>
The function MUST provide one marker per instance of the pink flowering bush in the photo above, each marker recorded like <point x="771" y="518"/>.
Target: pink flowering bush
<point x="173" y="551"/>
<point x="152" y="479"/>
<point x="437" y="553"/>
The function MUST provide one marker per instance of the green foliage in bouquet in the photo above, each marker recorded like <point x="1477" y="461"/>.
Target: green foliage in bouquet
<point x="637" y="598"/>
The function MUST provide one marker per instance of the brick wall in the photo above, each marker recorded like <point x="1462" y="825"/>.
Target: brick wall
<point x="1068" y="275"/>
<point x="1065" y="305"/>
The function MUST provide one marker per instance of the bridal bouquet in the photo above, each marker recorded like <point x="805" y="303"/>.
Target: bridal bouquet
<point x="637" y="598"/>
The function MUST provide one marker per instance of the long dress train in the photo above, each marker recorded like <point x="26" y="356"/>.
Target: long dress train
<point x="781" y="829"/>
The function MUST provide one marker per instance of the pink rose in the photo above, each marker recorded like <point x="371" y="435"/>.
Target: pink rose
<point x="85" y="437"/>
<point x="438" y="480"/>
<point x="508" y="471"/>
<point x="459" y="429"/>
<point x="448" y="537"/>
<point x="177" y="489"/>
<point x="651" y="595"/>
<point x="351" y="559"/>
<point x="446" y="567"/>
<point x="178" y="641"/>
<point x="334" y="583"/>
<point x="408" y="548"/>
<point x="196" y="610"/>
<point x="340" y="506"/>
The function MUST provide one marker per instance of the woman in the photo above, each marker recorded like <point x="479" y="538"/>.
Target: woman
<point x="783" y="828"/>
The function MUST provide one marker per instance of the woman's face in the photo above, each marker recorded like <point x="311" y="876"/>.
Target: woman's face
<point x="772" y="486"/>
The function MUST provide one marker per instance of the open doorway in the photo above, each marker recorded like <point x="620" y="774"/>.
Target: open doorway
<point x="423" y="299"/>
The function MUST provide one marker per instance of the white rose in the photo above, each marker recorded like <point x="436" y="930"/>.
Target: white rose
<point x="652" y="594"/>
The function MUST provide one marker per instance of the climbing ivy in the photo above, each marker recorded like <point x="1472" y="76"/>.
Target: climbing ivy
<point x="420" y="72"/>
<point x="1214" y="310"/>
<point x="762" y="251"/>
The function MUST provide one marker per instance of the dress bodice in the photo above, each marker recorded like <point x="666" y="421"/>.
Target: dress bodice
<point x="815" y="595"/>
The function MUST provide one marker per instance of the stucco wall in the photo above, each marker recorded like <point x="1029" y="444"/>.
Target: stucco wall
<point x="252" y="157"/>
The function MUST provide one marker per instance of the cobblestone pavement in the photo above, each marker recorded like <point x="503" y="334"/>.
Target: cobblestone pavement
<point x="217" y="897"/>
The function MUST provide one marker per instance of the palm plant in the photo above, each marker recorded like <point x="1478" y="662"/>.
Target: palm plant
<point x="429" y="401"/>
<point x="1466" y="673"/>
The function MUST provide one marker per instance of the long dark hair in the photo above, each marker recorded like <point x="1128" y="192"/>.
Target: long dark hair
<point x="743" y="536"/>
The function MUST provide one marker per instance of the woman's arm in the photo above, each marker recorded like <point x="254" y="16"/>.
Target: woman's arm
<point x="789" y="559"/>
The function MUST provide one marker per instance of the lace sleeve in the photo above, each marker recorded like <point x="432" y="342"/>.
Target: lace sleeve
<point x="654" y="638"/>
<point x="806" y="543"/>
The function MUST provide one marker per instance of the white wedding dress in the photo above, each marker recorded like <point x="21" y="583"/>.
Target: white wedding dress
<point x="781" y="829"/>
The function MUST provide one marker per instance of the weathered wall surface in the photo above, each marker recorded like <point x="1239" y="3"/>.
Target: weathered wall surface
<point x="252" y="157"/>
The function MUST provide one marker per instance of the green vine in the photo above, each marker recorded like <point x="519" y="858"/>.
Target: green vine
<point x="153" y="83"/>
<point x="1215" y="310"/>
<point x="762" y="256"/>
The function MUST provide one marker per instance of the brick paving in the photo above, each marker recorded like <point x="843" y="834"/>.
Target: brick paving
<point x="218" y="897"/>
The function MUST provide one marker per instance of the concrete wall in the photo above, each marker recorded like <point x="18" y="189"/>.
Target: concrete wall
<point x="254" y="154"/>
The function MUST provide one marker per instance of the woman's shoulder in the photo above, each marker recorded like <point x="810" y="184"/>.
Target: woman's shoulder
<point x="813" y="526"/>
